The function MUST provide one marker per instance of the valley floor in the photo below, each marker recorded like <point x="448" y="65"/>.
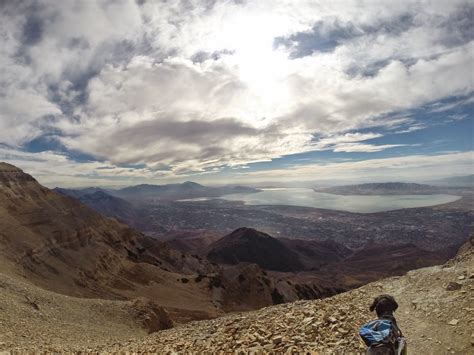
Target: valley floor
<point x="434" y="320"/>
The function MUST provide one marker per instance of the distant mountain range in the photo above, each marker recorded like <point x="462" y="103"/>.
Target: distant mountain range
<point x="455" y="181"/>
<point x="186" y="190"/>
<point x="148" y="193"/>
<point x="385" y="188"/>
<point x="124" y="204"/>
<point x="104" y="203"/>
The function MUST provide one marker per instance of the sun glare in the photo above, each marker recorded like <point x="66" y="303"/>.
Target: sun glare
<point x="261" y="66"/>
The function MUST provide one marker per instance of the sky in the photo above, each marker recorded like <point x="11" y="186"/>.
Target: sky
<point x="112" y="93"/>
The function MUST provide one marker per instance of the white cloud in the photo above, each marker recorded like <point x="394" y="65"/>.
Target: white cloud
<point x="117" y="80"/>
<point x="358" y="147"/>
<point x="410" y="168"/>
<point x="53" y="169"/>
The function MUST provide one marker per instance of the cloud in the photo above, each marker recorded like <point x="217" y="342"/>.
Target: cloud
<point x="412" y="128"/>
<point x="53" y="169"/>
<point x="358" y="147"/>
<point x="229" y="83"/>
<point x="350" y="143"/>
<point x="408" y="168"/>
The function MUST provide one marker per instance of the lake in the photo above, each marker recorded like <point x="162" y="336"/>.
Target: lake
<point x="352" y="203"/>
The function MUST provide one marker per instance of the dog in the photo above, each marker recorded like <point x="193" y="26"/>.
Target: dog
<point x="384" y="306"/>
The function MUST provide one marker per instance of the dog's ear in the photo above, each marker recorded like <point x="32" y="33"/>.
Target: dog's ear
<point x="374" y="304"/>
<point x="395" y="304"/>
<point x="392" y="301"/>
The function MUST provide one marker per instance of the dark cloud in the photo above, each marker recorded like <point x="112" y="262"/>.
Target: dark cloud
<point x="78" y="43"/>
<point x="189" y="132"/>
<point x="459" y="27"/>
<point x="371" y="69"/>
<point x="202" y="56"/>
<point x="32" y="30"/>
<point x="33" y="25"/>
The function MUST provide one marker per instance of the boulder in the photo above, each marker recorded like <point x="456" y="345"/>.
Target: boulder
<point x="150" y="315"/>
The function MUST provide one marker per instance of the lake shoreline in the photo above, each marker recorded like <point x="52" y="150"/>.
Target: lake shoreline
<point x="304" y="197"/>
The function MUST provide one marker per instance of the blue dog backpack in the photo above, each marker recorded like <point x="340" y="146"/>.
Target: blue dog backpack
<point x="378" y="331"/>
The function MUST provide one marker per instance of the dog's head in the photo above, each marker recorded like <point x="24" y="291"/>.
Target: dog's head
<point x="383" y="303"/>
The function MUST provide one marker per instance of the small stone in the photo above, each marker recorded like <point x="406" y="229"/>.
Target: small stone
<point x="453" y="286"/>
<point x="453" y="322"/>
<point x="462" y="277"/>
<point x="342" y="331"/>
<point x="255" y="349"/>
<point x="277" y="339"/>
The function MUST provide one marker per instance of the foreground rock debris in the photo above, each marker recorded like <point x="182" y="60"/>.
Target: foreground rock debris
<point x="435" y="320"/>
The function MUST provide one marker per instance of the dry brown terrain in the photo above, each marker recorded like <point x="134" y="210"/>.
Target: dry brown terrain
<point x="73" y="280"/>
<point x="435" y="314"/>
<point x="63" y="246"/>
<point x="435" y="318"/>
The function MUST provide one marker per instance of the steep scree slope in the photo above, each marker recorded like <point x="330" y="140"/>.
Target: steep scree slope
<point x="436" y="319"/>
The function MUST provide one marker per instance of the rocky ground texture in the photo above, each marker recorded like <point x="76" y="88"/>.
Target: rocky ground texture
<point x="436" y="314"/>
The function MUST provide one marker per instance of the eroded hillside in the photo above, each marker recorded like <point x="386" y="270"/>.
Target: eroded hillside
<point x="435" y="314"/>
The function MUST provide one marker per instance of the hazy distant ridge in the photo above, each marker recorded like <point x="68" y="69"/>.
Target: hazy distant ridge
<point x="455" y="181"/>
<point x="385" y="188"/>
<point x="187" y="189"/>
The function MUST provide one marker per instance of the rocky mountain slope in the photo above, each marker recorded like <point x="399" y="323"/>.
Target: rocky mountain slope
<point x="104" y="203"/>
<point x="435" y="314"/>
<point x="250" y="245"/>
<point x="194" y="241"/>
<point x="61" y="245"/>
<point x="67" y="272"/>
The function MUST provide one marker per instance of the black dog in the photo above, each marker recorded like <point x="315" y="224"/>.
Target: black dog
<point x="384" y="306"/>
